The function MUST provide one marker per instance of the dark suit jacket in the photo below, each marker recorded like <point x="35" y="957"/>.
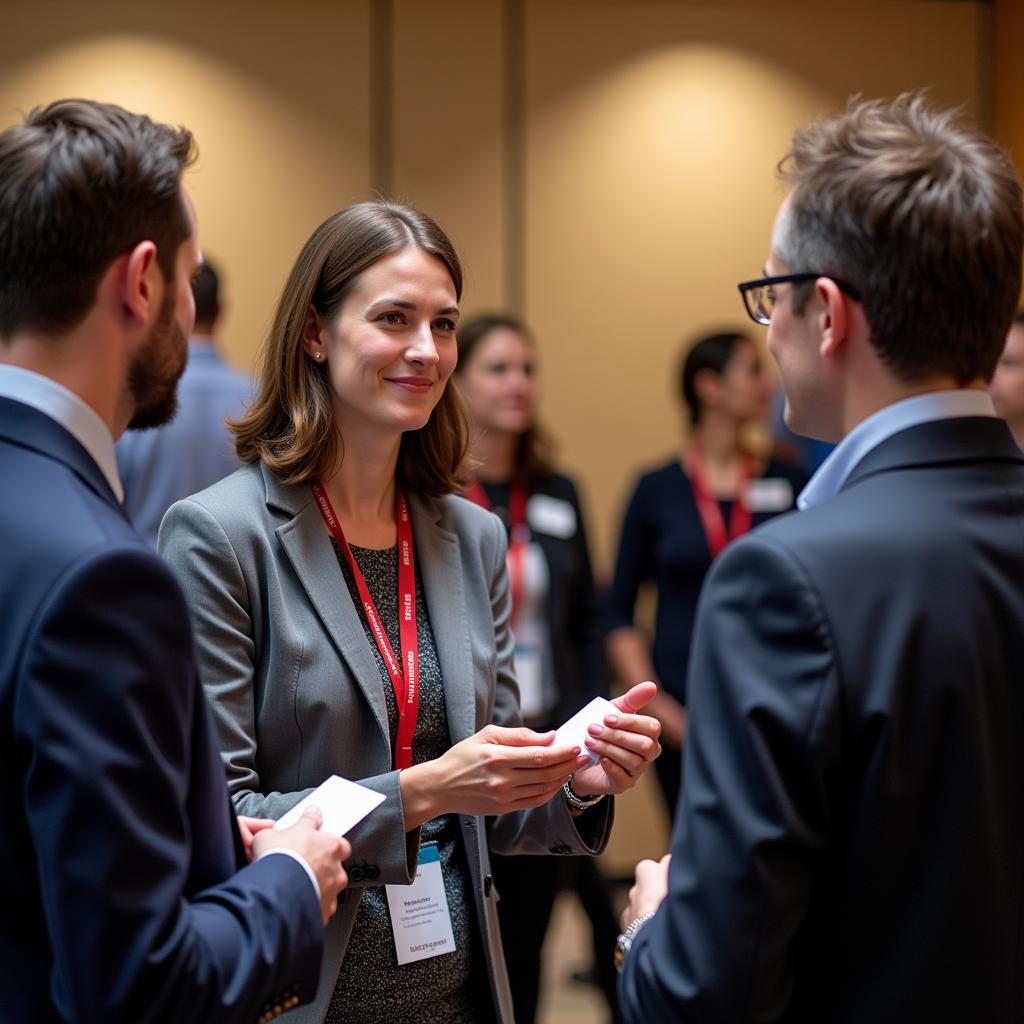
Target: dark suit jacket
<point x="850" y="842"/>
<point x="121" y="897"/>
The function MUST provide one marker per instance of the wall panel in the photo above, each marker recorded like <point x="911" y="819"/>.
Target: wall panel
<point x="276" y="95"/>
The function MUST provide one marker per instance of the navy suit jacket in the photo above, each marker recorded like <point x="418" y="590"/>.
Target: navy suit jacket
<point x="123" y="895"/>
<point x="849" y="846"/>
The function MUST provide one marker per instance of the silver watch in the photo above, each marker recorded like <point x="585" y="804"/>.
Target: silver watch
<point x="579" y="803"/>
<point x="625" y="940"/>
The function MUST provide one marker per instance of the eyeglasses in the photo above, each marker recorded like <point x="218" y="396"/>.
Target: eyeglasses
<point x="759" y="296"/>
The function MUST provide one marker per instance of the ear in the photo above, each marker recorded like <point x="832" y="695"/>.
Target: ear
<point x="833" y="316"/>
<point x="707" y="385"/>
<point x="312" y="337"/>
<point x="141" y="284"/>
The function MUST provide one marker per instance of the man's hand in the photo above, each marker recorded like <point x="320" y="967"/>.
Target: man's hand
<point x="650" y="888"/>
<point x="322" y="851"/>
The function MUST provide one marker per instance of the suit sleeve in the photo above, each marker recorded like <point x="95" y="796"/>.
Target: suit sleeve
<point x="754" y="823"/>
<point x="549" y="828"/>
<point x="117" y="784"/>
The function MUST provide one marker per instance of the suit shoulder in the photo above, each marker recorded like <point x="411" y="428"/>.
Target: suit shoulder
<point x="558" y="485"/>
<point x="122" y="576"/>
<point x="239" y="501"/>
<point x="244" y="485"/>
<point x="667" y="477"/>
<point x="56" y="518"/>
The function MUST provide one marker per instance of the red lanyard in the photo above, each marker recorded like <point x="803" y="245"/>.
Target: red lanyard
<point x="407" y="684"/>
<point x="707" y="504"/>
<point x="519" y="533"/>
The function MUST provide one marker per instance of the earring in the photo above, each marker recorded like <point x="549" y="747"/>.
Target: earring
<point x="318" y="356"/>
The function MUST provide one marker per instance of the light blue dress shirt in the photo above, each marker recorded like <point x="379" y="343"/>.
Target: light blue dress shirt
<point x="878" y="427"/>
<point x="191" y="452"/>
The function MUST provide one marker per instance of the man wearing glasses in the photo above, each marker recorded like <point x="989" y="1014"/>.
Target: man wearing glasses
<point x="850" y="838"/>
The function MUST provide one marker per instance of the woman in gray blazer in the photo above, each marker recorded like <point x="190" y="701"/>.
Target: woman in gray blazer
<point x="352" y="618"/>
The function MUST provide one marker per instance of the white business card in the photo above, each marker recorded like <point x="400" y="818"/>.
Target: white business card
<point x="574" y="732"/>
<point x="343" y="803"/>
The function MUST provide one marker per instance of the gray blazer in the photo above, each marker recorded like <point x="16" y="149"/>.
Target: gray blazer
<point x="297" y="694"/>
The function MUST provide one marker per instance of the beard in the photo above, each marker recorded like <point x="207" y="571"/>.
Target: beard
<point x="156" y="369"/>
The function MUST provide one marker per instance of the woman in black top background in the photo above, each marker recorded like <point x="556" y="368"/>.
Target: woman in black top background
<point x="679" y="517"/>
<point x="557" y="622"/>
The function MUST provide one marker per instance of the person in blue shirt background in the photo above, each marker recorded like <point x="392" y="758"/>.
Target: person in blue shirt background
<point x="194" y="450"/>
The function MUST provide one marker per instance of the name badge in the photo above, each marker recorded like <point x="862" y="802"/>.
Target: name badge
<point x="420" y="918"/>
<point x="769" y="494"/>
<point x="552" y="516"/>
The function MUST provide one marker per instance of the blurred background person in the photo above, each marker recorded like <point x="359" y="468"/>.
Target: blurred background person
<point x="682" y="515"/>
<point x="1007" y="384"/>
<point x="194" y="450"/>
<point x="556" y="619"/>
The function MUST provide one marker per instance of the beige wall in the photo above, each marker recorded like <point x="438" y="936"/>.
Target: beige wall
<point x="1007" y="80"/>
<point x="651" y="133"/>
<point x="651" y="128"/>
<point x="652" y="144"/>
<point x="277" y="96"/>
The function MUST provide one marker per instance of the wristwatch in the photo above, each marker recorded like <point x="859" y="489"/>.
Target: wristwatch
<point x="625" y="940"/>
<point x="579" y="803"/>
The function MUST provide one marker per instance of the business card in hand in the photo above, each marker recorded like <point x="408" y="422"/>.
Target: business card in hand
<point x="343" y="803"/>
<point x="574" y="731"/>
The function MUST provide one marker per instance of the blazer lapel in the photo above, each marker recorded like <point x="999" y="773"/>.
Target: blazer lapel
<point x="439" y="563"/>
<point x="309" y="549"/>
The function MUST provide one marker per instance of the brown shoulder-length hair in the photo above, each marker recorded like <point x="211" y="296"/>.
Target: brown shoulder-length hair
<point x="290" y="426"/>
<point x="534" y="454"/>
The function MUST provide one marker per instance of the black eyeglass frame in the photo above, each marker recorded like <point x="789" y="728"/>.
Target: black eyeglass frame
<point x="746" y="287"/>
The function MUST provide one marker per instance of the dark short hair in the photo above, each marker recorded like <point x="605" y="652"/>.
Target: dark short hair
<point x="290" y="427"/>
<point x="206" y="292"/>
<point x="709" y="352"/>
<point x="81" y="183"/>
<point x="534" y="453"/>
<point x="923" y="214"/>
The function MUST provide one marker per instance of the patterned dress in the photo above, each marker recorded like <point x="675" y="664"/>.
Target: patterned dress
<point x="372" y="987"/>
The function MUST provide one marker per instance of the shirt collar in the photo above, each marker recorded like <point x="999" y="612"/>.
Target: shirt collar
<point x="870" y="433"/>
<point x="67" y="409"/>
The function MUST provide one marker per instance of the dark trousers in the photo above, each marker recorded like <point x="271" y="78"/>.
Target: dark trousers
<point x="528" y="887"/>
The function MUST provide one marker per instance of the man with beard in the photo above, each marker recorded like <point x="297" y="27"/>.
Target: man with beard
<point x="126" y="889"/>
<point x="159" y="467"/>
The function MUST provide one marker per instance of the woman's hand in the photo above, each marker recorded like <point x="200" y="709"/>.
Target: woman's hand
<point x="248" y="827"/>
<point x="494" y="771"/>
<point x="626" y="742"/>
